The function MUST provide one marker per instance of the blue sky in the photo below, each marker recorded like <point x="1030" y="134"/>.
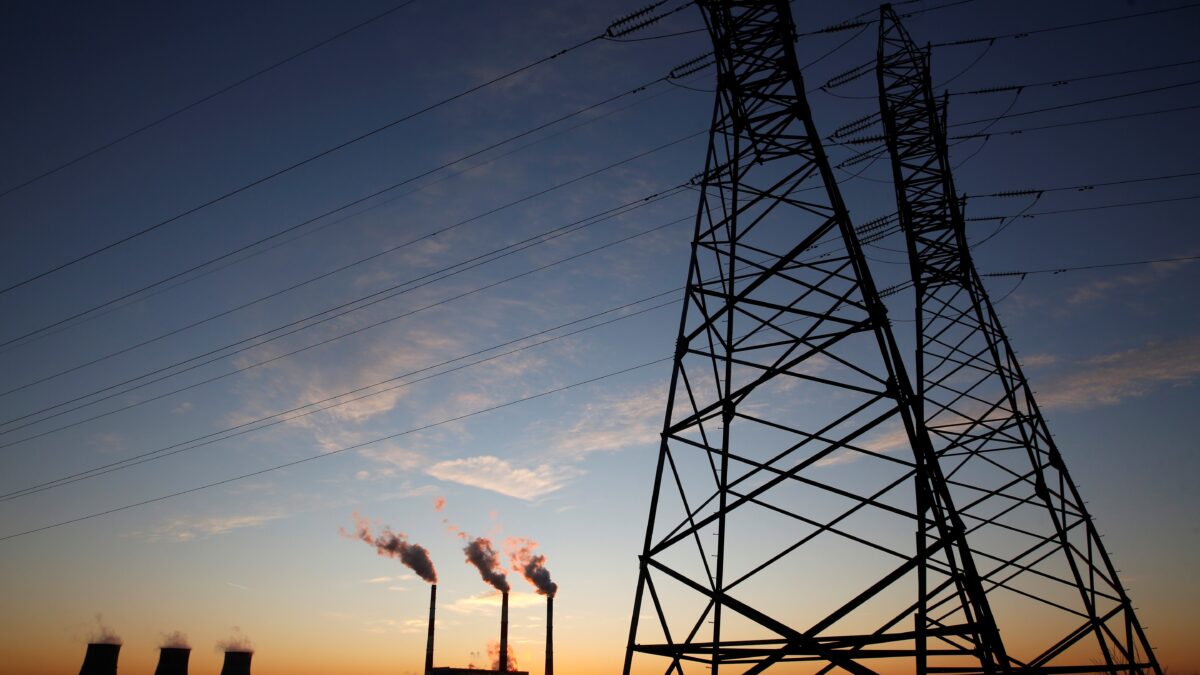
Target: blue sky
<point x="1113" y="353"/>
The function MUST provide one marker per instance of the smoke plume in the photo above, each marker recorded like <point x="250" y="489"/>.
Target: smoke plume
<point x="362" y="529"/>
<point x="103" y="634"/>
<point x="531" y="566"/>
<point x="175" y="640"/>
<point x="394" y="545"/>
<point x="481" y="554"/>
<point x="494" y="656"/>
<point x="238" y="642"/>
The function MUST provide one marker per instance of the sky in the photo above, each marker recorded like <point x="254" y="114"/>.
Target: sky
<point x="486" y="249"/>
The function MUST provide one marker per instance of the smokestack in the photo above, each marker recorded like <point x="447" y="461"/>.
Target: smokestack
<point x="550" y="635"/>
<point x="173" y="661"/>
<point x="504" y="633"/>
<point x="100" y="659"/>
<point x="236" y="663"/>
<point x="429" y="643"/>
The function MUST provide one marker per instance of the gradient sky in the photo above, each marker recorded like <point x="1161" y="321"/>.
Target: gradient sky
<point x="1114" y="353"/>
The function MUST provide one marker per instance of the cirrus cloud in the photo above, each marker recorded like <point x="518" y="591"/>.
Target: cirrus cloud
<point x="498" y="475"/>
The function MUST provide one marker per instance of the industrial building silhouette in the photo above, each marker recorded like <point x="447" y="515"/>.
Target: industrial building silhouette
<point x="101" y="658"/>
<point x="173" y="661"/>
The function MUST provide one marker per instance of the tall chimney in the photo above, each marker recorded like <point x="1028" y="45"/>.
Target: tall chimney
<point x="236" y="663"/>
<point x="173" y="661"/>
<point x="100" y="659"/>
<point x="429" y="643"/>
<point x="549" y="635"/>
<point x="504" y="633"/>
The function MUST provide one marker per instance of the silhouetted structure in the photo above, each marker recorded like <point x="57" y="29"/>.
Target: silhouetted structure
<point x="236" y="663"/>
<point x="1056" y="591"/>
<point x="429" y="642"/>
<point x="503" y="633"/>
<point x="444" y="670"/>
<point x="173" y="661"/>
<point x="100" y="659"/>
<point x="787" y="406"/>
<point x="549" y="635"/>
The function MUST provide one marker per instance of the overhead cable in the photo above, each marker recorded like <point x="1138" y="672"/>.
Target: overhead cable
<point x="295" y="165"/>
<point x="204" y="99"/>
<point x="1082" y="24"/>
<point x="1080" y="268"/>
<point x="426" y="373"/>
<point x="377" y="296"/>
<point x="1083" y="187"/>
<point x="340" y="336"/>
<point x="331" y="453"/>
<point x="688" y="68"/>
<point x="1069" y="80"/>
<point x="330" y="223"/>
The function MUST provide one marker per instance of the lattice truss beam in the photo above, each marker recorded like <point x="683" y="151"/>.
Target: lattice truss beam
<point x="1055" y="593"/>
<point x="798" y="515"/>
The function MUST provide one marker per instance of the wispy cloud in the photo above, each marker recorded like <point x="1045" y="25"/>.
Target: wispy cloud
<point x="890" y="439"/>
<point x="187" y="529"/>
<point x="486" y="603"/>
<point x="387" y="580"/>
<point x="1109" y="379"/>
<point x="613" y="422"/>
<point x="498" y="475"/>
<point x="1038" y="360"/>
<point x="108" y="443"/>
<point x="1098" y="289"/>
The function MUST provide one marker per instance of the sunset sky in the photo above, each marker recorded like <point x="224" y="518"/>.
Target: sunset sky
<point x="421" y="310"/>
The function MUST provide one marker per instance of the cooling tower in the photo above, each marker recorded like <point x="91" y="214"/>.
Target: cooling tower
<point x="429" y="643"/>
<point x="237" y="663"/>
<point x="549" y="635"/>
<point x="100" y="659"/>
<point x="504" y="633"/>
<point x="173" y="661"/>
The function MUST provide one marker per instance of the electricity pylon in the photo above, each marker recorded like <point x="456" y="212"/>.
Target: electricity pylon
<point x="1055" y="593"/>
<point x="798" y="512"/>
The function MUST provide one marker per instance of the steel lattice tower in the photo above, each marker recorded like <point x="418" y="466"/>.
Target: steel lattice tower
<point x="1055" y="593"/>
<point x="798" y="513"/>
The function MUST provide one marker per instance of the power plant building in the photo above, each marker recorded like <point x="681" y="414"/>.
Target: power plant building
<point x="471" y="671"/>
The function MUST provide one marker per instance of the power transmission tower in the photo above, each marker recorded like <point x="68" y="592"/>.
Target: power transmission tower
<point x="1056" y="596"/>
<point x="798" y="513"/>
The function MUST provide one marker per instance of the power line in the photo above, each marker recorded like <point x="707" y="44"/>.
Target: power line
<point x="1102" y="99"/>
<point x="1080" y="209"/>
<point x="858" y="22"/>
<point x="1069" y="80"/>
<point x="241" y="429"/>
<point x="108" y="307"/>
<point x="279" y="417"/>
<point x="864" y="68"/>
<point x="291" y="167"/>
<point x="875" y="140"/>
<point x="325" y="214"/>
<point x="1060" y="270"/>
<point x="615" y="211"/>
<point x="1076" y="123"/>
<point x="339" y="451"/>
<point x="1082" y="187"/>
<point x="642" y="19"/>
<point x="1051" y="29"/>
<point x="361" y="329"/>
<point x="204" y="99"/>
<point x="377" y="296"/>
